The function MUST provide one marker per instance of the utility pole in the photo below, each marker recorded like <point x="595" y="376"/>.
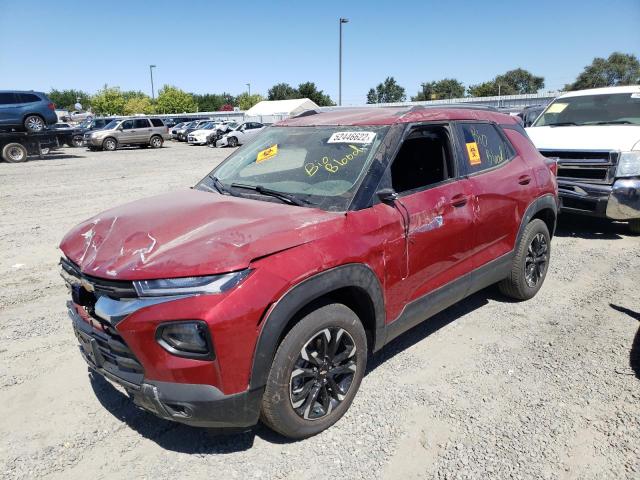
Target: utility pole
<point x="340" y="22"/>
<point x="499" y="95"/>
<point x="249" y="87"/>
<point x="153" y="93"/>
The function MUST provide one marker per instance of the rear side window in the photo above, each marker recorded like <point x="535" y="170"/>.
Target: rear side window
<point x="141" y="123"/>
<point x="157" y="122"/>
<point x="27" y="98"/>
<point x="7" y="98"/>
<point x="483" y="147"/>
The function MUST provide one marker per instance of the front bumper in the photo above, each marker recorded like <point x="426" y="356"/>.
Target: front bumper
<point x="92" y="141"/>
<point x="620" y="201"/>
<point x="197" y="405"/>
<point x="196" y="140"/>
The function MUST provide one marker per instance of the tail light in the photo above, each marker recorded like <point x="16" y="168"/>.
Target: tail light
<point x="51" y="106"/>
<point x="552" y="163"/>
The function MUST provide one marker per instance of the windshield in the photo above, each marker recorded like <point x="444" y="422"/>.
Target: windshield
<point x="612" y="109"/>
<point x="111" y="125"/>
<point x="321" y="166"/>
<point x="206" y="126"/>
<point x="86" y="123"/>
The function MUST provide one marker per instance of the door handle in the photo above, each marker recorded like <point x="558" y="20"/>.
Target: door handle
<point x="459" y="200"/>
<point x="524" y="180"/>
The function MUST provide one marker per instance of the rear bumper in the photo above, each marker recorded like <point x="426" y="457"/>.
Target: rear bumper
<point x="620" y="201"/>
<point x="197" y="405"/>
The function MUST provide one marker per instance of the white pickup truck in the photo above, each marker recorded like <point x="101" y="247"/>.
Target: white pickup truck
<point x="595" y="137"/>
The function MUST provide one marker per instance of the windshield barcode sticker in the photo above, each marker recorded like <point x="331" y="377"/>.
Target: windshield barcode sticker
<point x="352" y="137"/>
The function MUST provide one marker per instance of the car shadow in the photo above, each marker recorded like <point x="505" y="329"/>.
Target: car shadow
<point x="634" y="355"/>
<point x="590" y="228"/>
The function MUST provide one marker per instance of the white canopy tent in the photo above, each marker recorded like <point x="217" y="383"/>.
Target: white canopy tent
<point x="281" y="107"/>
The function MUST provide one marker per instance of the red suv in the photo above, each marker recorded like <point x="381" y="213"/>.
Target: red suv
<point x="260" y="292"/>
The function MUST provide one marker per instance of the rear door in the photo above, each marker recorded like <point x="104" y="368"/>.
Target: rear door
<point x="501" y="182"/>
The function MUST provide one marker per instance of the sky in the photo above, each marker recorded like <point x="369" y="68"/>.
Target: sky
<point x="211" y="47"/>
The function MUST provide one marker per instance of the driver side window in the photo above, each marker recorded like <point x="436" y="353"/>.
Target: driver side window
<point x="127" y="124"/>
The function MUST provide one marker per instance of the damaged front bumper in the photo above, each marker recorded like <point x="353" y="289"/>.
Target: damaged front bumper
<point x="192" y="404"/>
<point x="620" y="201"/>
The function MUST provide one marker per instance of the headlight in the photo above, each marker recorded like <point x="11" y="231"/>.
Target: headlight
<point x="628" y="164"/>
<point x="189" y="338"/>
<point x="190" y="285"/>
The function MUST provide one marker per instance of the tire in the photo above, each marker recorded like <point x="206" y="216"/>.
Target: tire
<point x="232" y="142"/>
<point x="109" y="144"/>
<point x="156" y="141"/>
<point x="301" y="416"/>
<point x="76" y="141"/>
<point x="634" y="226"/>
<point x="14" y="153"/>
<point x="530" y="264"/>
<point x="34" y="123"/>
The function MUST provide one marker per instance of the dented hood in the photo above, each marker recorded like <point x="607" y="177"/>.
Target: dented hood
<point x="190" y="233"/>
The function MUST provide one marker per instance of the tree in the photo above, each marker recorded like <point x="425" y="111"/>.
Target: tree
<point x="513" y="82"/>
<point x="310" y="91"/>
<point x="445" y="88"/>
<point x="67" y="99"/>
<point x="618" y="69"/>
<point x="173" y="100"/>
<point x="227" y="107"/>
<point x="209" y="102"/>
<point x="246" y="101"/>
<point x="108" y="101"/>
<point x="282" y="91"/>
<point x="386" y="92"/>
<point x="138" y="105"/>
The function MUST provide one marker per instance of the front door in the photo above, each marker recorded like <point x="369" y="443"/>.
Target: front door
<point x="437" y="210"/>
<point x="127" y="134"/>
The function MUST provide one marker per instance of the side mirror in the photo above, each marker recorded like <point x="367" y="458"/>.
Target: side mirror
<point x="120" y="127"/>
<point x="387" y="195"/>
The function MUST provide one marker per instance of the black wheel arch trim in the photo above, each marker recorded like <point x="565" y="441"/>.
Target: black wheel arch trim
<point x="547" y="201"/>
<point x="295" y="299"/>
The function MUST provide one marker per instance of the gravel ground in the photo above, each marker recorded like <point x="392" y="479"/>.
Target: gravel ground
<point x="548" y="388"/>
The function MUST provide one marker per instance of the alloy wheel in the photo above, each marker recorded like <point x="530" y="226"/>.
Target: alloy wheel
<point x="15" y="154"/>
<point x="535" y="263"/>
<point x="323" y="373"/>
<point x="34" y="123"/>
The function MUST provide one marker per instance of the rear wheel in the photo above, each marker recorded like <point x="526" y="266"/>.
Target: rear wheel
<point x="316" y="372"/>
<point x="76" y="141"/>
<point x="530" y="263"/>
<point x="109" y="144"/>
<point x="634" y="226"/>
<point x="14" y="153"/>
<point x="156" y="141"/>
<point x="34" y="123"/>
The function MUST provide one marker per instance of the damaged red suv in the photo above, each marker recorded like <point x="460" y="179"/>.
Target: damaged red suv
<point x="260" y="292"/>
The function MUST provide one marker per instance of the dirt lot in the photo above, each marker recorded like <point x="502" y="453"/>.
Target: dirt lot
<point x="548" y="388"/>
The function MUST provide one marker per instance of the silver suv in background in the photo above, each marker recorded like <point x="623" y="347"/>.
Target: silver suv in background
<point x="141" y="131"/>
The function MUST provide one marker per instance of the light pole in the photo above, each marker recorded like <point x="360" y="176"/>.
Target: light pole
<point x="153" y="93"/>
<point x="499" y="89"/>
<point x="340" y="22"/>
<point x="249" y="87"/>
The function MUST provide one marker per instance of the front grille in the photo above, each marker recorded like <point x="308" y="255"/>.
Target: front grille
<point x="112" y="288"/>
<point x="106" y="350"/>
<point x="591" y="166"/>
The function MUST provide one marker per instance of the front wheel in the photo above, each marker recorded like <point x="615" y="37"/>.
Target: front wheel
<point x="232" y="142"/>
<point x="316" y="372"/>
<point x="530" y="263"/>
<point x="76" y="141"/>
<point x="14" y="153"/>
<point x="109" y="144"/>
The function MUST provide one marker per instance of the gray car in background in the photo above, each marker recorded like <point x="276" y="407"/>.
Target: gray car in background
<point x="31" y="111"/>
<point x="142" y="131"/>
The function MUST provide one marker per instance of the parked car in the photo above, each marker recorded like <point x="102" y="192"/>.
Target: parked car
<point x="529" y="114"/>
<point x="260" y="292"/>
<point x="195" y="125"/>
<point x="595" y="137"/>
<point x="32" y="111"/>
<point x="67" y="134"/>
<point x="222" y="129"/>
<point x="90" y="125"/>
<point x="199" y="136"/>
<point x="141" y="131"/>
<point x="78" y="116"/>
<point x="182" y="132"/>
<point x="240" y="135"/>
